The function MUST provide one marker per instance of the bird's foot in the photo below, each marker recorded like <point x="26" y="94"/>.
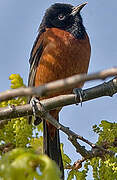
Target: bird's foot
<point x="34" y="101"/>
<point x="78" y="95"/>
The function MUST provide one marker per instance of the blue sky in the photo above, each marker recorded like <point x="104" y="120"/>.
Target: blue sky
<point x="19" y="22"/>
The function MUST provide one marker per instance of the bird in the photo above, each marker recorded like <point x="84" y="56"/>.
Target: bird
<point x="62" y="49"/>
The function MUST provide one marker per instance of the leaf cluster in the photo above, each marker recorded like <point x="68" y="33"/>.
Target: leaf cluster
<point x="21" y="146"/>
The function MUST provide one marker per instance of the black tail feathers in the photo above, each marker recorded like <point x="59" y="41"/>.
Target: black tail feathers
<point x="52" y="147"/>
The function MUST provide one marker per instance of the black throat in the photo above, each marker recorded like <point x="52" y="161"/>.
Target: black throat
<point x="77" y="30"/>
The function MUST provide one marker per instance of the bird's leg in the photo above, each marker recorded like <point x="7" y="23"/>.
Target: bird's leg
<point x="34" y="101"/>
<point x="78" y="95"/>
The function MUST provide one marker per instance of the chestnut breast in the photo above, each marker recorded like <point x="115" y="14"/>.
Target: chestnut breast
<point x="62" y="56"/>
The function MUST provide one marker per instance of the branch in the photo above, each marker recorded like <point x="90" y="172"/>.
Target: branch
<point x="58" y="85"/>
<point x="96" y="151"/>
<point x="45" y="105"/>
<point x="105" y="89"/>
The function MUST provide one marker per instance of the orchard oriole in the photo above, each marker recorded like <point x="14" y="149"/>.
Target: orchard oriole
<point x="61" y="49"/>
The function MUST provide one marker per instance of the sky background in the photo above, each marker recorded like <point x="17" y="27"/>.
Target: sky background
<point x="19" y="22"/>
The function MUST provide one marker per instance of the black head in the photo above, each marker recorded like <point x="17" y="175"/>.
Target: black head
<point x="66" y="17"/>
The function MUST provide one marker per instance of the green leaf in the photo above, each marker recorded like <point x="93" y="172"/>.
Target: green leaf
<point x="40" y="127"/>
<point x="105" y="124"/>
<point x="70" y="175"/>
<point x="66" y="159"/>
<point x="16" y="81"/>
<point x="80" y="175"/>
<point x="37" y="144"/>
<point x="17" y="131"/>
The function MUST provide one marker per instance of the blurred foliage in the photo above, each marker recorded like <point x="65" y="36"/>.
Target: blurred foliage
<point x="21" y="164"/>
<point x="17" y="131"/>
<point x="25" y="145"/>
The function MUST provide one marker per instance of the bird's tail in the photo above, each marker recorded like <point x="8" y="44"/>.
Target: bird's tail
<point x="52" y="147"/>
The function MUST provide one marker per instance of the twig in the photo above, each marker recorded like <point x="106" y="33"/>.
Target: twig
<point x="57" y="86"/>
<point x="96" y="150"/>
<point x="77" y="165"/>
<point x="105" y="89"/>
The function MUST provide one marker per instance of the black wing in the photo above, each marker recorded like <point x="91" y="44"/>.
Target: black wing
<point x="34" y="60"/>
<point x="35" y="57"/>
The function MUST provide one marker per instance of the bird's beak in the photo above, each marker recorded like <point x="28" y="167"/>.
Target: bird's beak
<point x="77" y="9"/>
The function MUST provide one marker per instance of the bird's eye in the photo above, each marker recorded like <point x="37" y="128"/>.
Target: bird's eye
<point x="61" y="16"/>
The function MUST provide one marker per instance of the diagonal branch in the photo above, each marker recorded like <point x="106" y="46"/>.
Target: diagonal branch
<point x="58" y="85"/>
<point x="97" y="151"/>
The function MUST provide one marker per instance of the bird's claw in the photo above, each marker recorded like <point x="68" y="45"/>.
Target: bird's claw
<point x="34" y="101"/>
<point x="78" y="94"/>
